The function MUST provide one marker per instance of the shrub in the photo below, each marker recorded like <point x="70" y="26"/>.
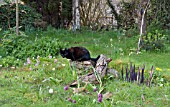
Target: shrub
<point x="10" y="61"/>
<point x="21" y="47"/>
<point x="27" y="16"/>
<point x="155" y="40"/>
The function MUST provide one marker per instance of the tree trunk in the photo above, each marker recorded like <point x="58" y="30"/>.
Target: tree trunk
<point x="142" y="14"/>
<point x="17" y="18"/>
<point x="142" y="22"/>
<point x="116" y="15"/>
<point x="59" y="14"/>
<point x="76" y="15"/>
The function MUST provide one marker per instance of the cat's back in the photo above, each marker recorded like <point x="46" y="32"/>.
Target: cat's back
<point x="78" y="49"/>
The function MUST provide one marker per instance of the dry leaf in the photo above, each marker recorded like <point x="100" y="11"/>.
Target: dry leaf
<point x="107" y="95"/>
<point x="143" y="97"/>
<point x="78" y="90"/>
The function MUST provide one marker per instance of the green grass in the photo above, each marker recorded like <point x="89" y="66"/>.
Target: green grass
<point x="23" y="87"/>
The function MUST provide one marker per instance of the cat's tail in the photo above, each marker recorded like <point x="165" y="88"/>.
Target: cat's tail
<point x="95" y="59"/>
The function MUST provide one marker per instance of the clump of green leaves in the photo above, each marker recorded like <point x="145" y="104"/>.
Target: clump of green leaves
<point x="27" y="16"/>
<point x="155" y="41"/>
<point x="10" y="61"/>
<point x="20" y="47"/>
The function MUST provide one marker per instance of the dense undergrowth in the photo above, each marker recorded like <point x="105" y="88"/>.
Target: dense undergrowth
<point x="38" y="78"/>
<point x="28" y="17"/>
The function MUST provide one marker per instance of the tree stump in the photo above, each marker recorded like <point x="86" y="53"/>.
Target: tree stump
<point x="101" y="67"/>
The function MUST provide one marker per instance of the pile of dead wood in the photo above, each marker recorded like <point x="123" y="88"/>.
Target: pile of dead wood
<point x="87" y="71"/>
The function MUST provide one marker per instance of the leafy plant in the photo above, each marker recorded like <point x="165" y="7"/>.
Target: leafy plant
<point x="155" y="41"/>
<point x="27" y="16"/>
<point x="10" y="61"/>
<point x="20" y="47"/>
<point x="159" y="78"/>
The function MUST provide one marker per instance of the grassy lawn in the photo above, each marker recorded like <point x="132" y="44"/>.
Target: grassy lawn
<point x="23" y="86"/>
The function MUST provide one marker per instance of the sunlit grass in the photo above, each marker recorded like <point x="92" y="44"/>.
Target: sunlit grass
<point x="43" y="84"/>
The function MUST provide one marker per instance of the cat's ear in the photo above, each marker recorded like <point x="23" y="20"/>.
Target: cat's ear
<point x="61" y="50"/>
<point x="66" y="49"/>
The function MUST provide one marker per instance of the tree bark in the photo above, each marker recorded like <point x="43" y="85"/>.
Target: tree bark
<point x="17" y="18"/>
<point x="142" y="13"/>
<point x="142" y="23"/>
<point x="76" y="15"/>
<point x="59" y="14"/>
<point x="116" y="15"/>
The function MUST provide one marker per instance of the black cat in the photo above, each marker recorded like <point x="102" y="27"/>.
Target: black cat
<point x="77" y="54"/>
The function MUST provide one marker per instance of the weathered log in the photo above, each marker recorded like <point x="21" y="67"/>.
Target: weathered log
<point x="82" y="67"/>
<point x="113" y="72"/>
<point x="101" y="68"/>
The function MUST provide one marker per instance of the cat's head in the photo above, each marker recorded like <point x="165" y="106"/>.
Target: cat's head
<point x="64" y="52"/>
